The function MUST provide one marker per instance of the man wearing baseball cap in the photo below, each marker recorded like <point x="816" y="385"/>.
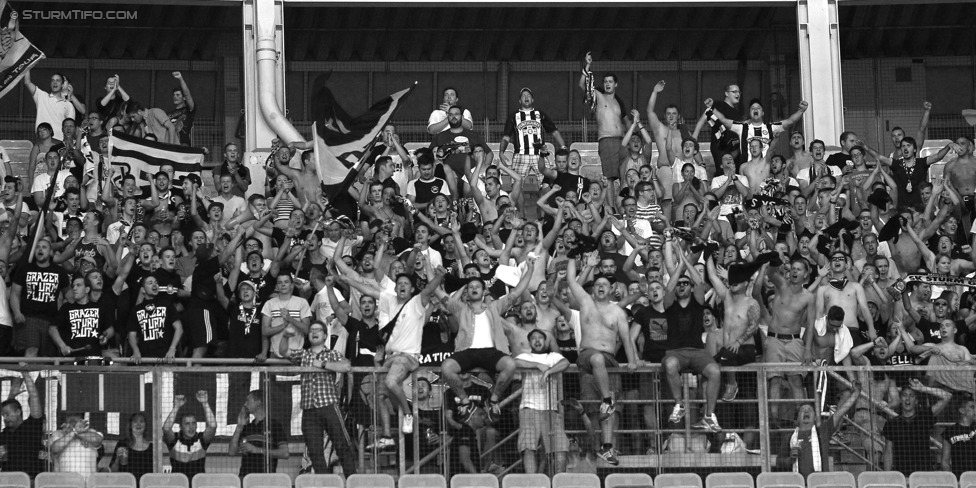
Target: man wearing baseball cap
<point x="526" y="129"/>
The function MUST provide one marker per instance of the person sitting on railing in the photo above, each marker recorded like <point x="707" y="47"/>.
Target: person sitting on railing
<point x="907" y="435"/>
<point x="807" y="449"/>
<point x="75" y="447"/>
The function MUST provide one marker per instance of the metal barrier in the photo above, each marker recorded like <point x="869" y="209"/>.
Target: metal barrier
<point x="249" y="419"/>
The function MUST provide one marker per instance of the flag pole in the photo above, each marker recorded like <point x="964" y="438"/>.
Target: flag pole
<point x="354" y="171"/>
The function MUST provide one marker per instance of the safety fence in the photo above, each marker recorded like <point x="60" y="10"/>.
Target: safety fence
<point x="248" y="419"/>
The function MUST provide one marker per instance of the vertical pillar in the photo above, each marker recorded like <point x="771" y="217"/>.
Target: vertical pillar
<point x="819" y="47"/>
<point x="258" y="133"/>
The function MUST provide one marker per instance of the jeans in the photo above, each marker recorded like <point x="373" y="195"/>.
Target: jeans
<point x="322" y="421"/>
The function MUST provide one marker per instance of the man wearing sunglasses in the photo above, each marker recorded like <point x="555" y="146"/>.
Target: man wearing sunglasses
<point x="839" y="290"/>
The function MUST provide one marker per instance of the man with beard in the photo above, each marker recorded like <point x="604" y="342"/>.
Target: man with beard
<point x="455" y="144"/>
<point x="539" y="417"/>
<point x="606" y="325"/>
<point x="846" y="295"/>
<point x="154" y="327"/>
<point x="791" y="309"/>
<point x="34" y="292"/>
<point x="83" y="327"/>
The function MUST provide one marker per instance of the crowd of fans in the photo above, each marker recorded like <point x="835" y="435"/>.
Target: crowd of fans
<point x="770" y="251"/>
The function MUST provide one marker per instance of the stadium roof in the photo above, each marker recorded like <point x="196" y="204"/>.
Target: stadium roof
<point x="540" y="33"/>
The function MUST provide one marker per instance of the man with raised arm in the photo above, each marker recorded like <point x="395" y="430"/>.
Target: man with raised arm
<point x="791" y="310"/>
<point x="480" y="340"/>
<point x="188" y="448"/>
<point x="756" y="128"/>
<point x="611" y="121"/>
<point x="22" y="439"/>
<point x="604" y="325"/>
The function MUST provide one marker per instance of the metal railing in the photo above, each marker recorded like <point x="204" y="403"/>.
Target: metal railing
<point x="755" y="425"/>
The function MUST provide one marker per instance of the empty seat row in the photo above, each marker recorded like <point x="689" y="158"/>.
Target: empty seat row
<point x="836" y="479"/>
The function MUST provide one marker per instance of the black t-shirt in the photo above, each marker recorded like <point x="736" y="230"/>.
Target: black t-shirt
<point x="839" y="160"/>
<point x="139" y="462"/>
<point x="568" y="348"/>
<point x="152" y="323"/>
<point x="427" y="190"/>
<point x="930" y="330"/>
<point x="188" y="456"/>
<point x="111" y="109"/>
<point x="962" y="453"/>
<point x="80" y="326"/>
<point x="685" y="325"/>
<point x="654" y="330"/>
<point x="456" y="160"/>
<point x="909" y="180"/>
<point x="40" y="287"/>
<point x="910" y="437"/>
<point x="254" y="434"/>
<point x="568" y="181"/>
<point x="244" y="331"/>
<point x="182" y="119"/>
<point x="204" y="285"/>
<point x="23" y="446"/>
<point x="361" y="336"/>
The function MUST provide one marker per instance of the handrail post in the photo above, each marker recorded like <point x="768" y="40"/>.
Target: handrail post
<point x="157" y="415"/>
<point x="763" y="395"/>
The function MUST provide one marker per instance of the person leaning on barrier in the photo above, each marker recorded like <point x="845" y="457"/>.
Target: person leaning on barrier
<point x="188" y="448"/>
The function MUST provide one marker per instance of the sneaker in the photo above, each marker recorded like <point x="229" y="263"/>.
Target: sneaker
<point x="677" y="414"/>
<point x="495" y="469"/>
<point x="382" y="443"/>
<point x="730" y="392"/>
<point x="407" y="427"/>
<point x="606" y="410"/>
<point x="465" y="411"/>
<point x="711" y="423"/>
<point x="494" y="411"/>
<point x="609" y="455"/>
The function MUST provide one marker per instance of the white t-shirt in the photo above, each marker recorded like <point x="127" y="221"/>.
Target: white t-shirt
<point x="409" y="329"/>
<point x="732" y="198"/>
<point x="296" y="308"/>
<point x="804" y="174"/>
<point x="6" y="318"/>
<point x="534" y="396"/>
<point x="433" y="257"/>
<point x="232" y="206"/>
<point x="42" y="182"/>
<point x="438" y="116"/>
<point x="321" y="306"/>
<point x="52" y="109"/>
<point x="700" y="172"/>
<point x="482" y="332"/>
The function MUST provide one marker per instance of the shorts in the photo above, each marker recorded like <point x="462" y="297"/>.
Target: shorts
<point x="525" y="164"/>
<point x="547" y="425"/>
<point x="610" y="152"/>
<point x="34" y="333"/>
<point x="745" y="355"/>
<point x="486" y="358"/>
<point x="583" y="361"/>
<point x="401" y="364"/>
<point x="782" y="351"/>
<point x="690" y="358"/>
<point x="203" y="326"/>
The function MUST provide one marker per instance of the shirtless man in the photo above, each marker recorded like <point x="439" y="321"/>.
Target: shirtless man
<point x="669" y="136"/>
<point x="307" y="179"/>
<point x="734" y="344"/>
<point x="758" y="167"/>
<point x="548" y="308"/>
<point x="849" y="296"/>
<point x="527" y="321"/>
<point x="822" y="344"/>
<point x="791" y="309"/>
<point x="962" y="173"/>
<point x="610" y="122"/>
<point x="801" y="158"/>
<point x="606" y="323"/>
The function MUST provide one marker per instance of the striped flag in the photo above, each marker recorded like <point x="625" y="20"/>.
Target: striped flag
<point x="143" y="158"/>
<point x="343" y="143"/>
<point x="17" y="54"/>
